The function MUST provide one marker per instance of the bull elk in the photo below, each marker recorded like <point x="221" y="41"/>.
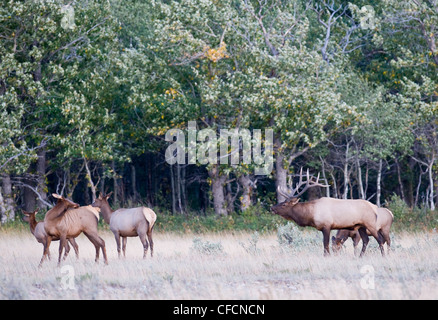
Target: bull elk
<point x="384" y="223"/>
<point x="326" y="214"/>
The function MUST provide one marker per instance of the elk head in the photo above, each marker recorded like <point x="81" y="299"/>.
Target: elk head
<point x="101" y="200"/>
<point x="28" y="215"/>
<point x="292" y="194"/>
<point x="337" y="242"/>
<point x="66" y="202"/>
<point x="283" y="208"/>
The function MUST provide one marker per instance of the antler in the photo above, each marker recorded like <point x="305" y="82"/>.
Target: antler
<point x="293" y="192"/>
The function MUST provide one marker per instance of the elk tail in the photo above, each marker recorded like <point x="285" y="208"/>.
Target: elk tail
<point x="150" y="217"/>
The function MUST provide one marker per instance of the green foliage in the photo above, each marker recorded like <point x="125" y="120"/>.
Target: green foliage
<point x="251" y="247"/>
<point x="104" y="87"/>
<point x="286" y="234"/>
<point x="407" y="218"/>
<point x="262" y="222"/>
<point x="207" y="247"/>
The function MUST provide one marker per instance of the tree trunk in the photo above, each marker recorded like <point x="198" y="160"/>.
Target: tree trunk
<point x="217" y="188"/>
<point x="115" y="184"/>
<point x="327" y="190"/>
<point x="230" y="198"/>
<point x="29" y="197"/>
<point x="359" y="179"/>
<point x="346" y="173"/>
<point x="417" y="193"/>
<point x="41" y="171"/>
<point x="3" y="216"/>
<point x="183" y="187"/>
<point x="247" y="185"/>
<point x="379" y="181"/>
<point x="335" y="186"/>
<point x="402" y="194"/>
<point x="280" y="175"/>
<point x="90" y="181"/>
<point x="431" y="196"/>
<point x="135" y="196"/>
<point x="8" y="210"/>
<point x="172" y="185"/>
<point x="346" y="180"/>
<point x="179" y="187"/>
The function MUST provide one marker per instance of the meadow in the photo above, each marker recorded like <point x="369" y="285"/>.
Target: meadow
<point x="222" y="265"/>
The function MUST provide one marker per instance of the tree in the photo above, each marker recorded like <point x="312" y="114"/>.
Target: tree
<point x="54" y="59"/>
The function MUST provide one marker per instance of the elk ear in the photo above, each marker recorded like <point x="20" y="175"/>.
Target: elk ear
<point x="24" y="212"/>
<point x="57" y="196"/>
<point x="108" y="195"/>
<point x="36" y="211"/>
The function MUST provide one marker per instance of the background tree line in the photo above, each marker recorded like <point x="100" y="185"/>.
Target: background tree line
<point x="349" y="88"/>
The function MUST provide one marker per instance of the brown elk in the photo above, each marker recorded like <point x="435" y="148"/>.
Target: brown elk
<point x="125" y="223"/>
<point x="384" y="223"/>
<point x="67" y="220"/>
<point x="326" y="214"/>
<point x="40" y="234"/>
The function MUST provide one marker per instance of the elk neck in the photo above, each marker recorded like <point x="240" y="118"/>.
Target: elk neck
<point x="106" y="211"/>
<point x="301" y="213"/>
<point x="32" y="223"/>
<point x="57" y="211"/>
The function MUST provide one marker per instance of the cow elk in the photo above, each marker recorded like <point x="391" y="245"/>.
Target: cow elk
<point x="40" y="234"/>
<point x="326" y="214"/>
<point x="384" y="223"/>
<point x="125" y="223"/>
<point x="67" y="220"/>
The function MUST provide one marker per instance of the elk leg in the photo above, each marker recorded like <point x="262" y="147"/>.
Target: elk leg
<point x="46" y="251"/>
<point x="387" y="240"/>
<point x="67" y="250"/>
<point x="75" y="246"/>
<point x="117" y="237"/>
<point x="381" y="240"/>
<point x="62" y="241"/>
<point x="356" y="240"/>
<point x="124" y="241"/>
<point x="144" y="242"/>
<point x="151" y="242"/>
<point x="104" y="252"/>
<point x="378" y="237"/>
<point x="326" y="240"/>
<point x="98" y="243"/>
<point x="365" y="239"/>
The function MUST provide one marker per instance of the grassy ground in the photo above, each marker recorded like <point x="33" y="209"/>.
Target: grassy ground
<point x="239" y="265"/>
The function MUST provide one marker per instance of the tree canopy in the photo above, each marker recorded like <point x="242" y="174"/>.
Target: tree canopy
<point x="88" y="90"/>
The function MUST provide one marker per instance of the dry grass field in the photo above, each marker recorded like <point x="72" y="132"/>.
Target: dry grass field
<point x="221" y="266"/>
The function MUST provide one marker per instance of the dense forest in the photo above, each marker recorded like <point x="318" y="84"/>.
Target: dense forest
<point x="89" y="89"/>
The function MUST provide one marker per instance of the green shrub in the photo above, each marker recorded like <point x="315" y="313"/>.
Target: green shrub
<point x="288" y="235"/>
<point x="253" y="219"/>
<point x="414" y="219"/>
<point x="399" y="208"/>
<point x="251" y="247"/>
<point x="207" y="247"/>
